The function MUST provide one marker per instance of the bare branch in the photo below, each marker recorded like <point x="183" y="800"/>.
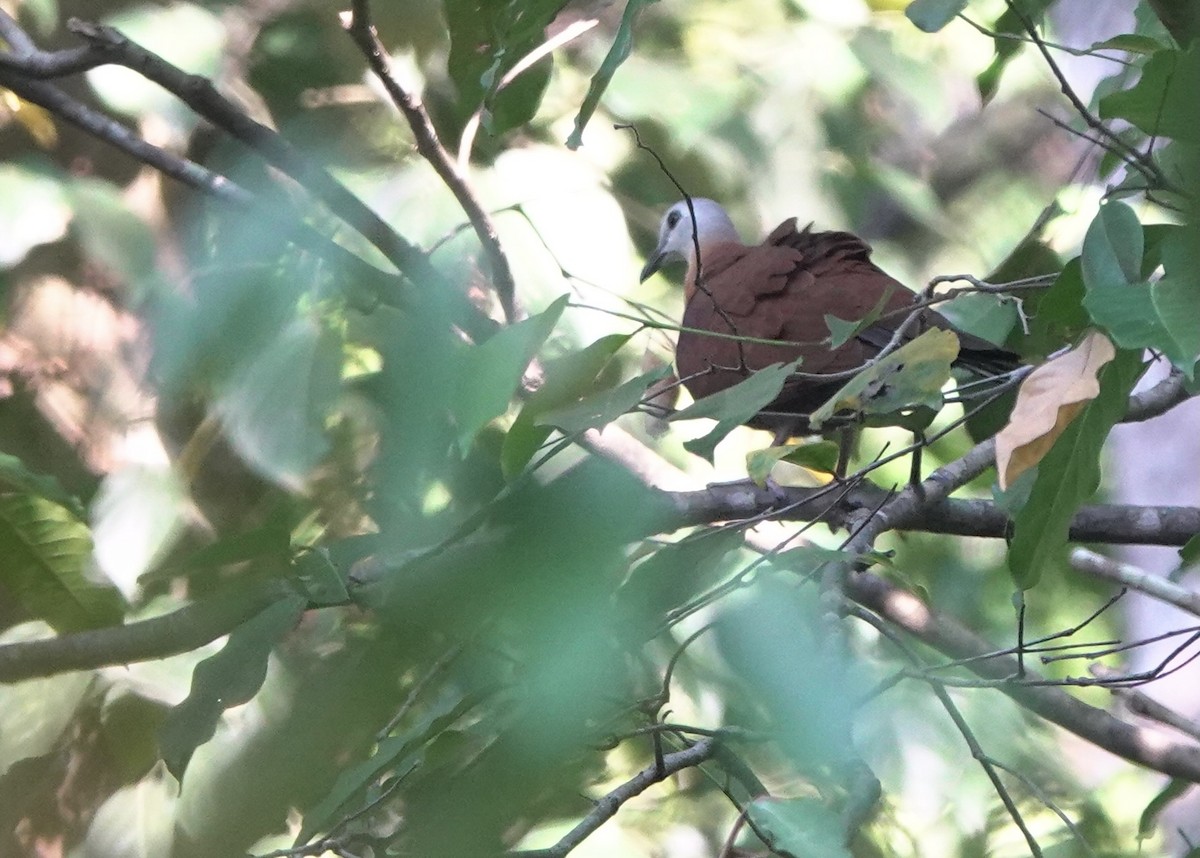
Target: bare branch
<point x="1088" y="561"/>
<point x="358" y="24"/>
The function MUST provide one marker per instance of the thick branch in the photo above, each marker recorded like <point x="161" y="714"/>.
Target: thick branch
<point x="1116" y="524"/>
<point x="179" y="631"/>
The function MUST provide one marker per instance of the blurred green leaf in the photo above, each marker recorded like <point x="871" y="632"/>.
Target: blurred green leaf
<point x="1069" y="474"/>
<point x="47" y="550"/>
<point x="113" y="235"/>
<point x="622" y="47"/>
<point x="673" y="574"/>
<point x="735" y="405"/>
<point x="800" y="827"/>
<point x="136" y="821"/>
<point x="1133" y="43"/>
<point x="932" y="15"/>
<point x="1148" y="821"/>
<point x="229" y="678"/>
<point x="33" y="210"/>
<point x="273" y="409"/>
<point x="1163" y="101"/>
<point x="320" y="580"/>
<point x="1176" y="296"/>
<point x="569" y="378"/>
<point x="34" y="713"/>
<point x="1010" y="35"/>
<point x="396" y="753"/>
<point x="14" y="474"/>
<point x="912" y="375"/>
<point x="1113" y="247"/>
<point x="490" y="372"/>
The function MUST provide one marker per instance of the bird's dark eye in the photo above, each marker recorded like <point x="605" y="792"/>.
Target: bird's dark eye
<point x="672" y="219"/>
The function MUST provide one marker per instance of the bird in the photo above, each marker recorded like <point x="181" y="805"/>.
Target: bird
<point x="782" y="290"/>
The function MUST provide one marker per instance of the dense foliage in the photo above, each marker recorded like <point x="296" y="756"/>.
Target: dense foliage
<point x="313" y="543"/>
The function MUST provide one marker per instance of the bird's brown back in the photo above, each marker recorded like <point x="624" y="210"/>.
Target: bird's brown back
<point x="782" y="290"/>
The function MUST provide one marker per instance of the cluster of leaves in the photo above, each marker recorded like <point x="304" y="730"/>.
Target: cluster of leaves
<point x="445" y="610"/>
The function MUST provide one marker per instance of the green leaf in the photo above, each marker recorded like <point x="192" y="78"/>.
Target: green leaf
<point x="1176" y="297"/>
<point x="932" y="15"/>
<point x="320" y="580"/>
<point x="136" y="821"/>
<point x="800" y="827"/>
<point x="1130" y="42"/>
<point x="489" y="373"/>
<point x="1058" y="314"/>
<point x="394" y="752"/>
<point x="841" y="330"/>
<point x="112" y="234"/>
<point x="488" y="38"/>
<point x="14" y="474"/>
<point x="46" y="550"/>
<point x="228" y="678"/>
<point x="815" y="456"/>
<point x="1069" y="474"/>
<point x="674" y="574"/>
<point x="568" y="379"/>
<point x="735" y="405"/>
<point x="33" y="211"/>
<point x="1113" y="247"/>
<point x="273" y="409"/>
<point x="1148" y="821"/>
<point x="912" y="375"/>
<point x="602" y="408"/>
<point x="621" y="48"/>
<point x="1163" y="101"/>
<point x="1190" y="553"/>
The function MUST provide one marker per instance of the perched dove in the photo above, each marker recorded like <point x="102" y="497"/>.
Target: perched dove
<point x="783" y="289"/>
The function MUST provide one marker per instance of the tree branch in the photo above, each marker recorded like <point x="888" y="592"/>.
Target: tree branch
<point x="361" y="29"/>
<point x="179" y="631"/>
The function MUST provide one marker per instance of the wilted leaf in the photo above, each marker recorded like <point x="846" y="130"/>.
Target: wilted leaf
<point x="229" y="678"/>
<point x="912" y="375"/>
<point x="490" y="372"/>
<point x="1069" y="474"/>
<point x="733" y="406"/>
<point x="800" y="827"/>
<point x="46" y="550"/>
<point x="1048" y="400"/>
<point x="621" y="48"/>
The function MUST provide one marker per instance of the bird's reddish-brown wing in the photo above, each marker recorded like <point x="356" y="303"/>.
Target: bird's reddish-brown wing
<point x="781" y="289"/>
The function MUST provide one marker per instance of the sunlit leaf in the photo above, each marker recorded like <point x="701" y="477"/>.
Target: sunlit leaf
<point x="816" y="456"/>
<point x="46" y="551"/>
<point x="733" y="406"/>
<point x="1069" y="474"/>
<point x="33" y="211"/>
<point x="912" y="375"/>
<point x="1048" y="400"/>
<point x="273" y="409"/>
<point x="602" y="408"/>
<point x="137" y="821"/>
<point x="229" y="678"/>
<point x="15" y="475"/>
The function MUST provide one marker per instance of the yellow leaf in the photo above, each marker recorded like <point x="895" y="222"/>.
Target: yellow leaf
<point x="1047" y="401"/>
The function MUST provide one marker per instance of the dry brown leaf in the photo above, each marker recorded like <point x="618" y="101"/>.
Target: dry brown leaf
<point x="1047" y="401"/>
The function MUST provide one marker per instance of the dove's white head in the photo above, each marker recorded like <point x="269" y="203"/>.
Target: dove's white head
<point x="677" y="238"/>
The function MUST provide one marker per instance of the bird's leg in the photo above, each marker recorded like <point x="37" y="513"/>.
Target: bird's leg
<point x="914" y="474"/>
<point x="847" y="438"/>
